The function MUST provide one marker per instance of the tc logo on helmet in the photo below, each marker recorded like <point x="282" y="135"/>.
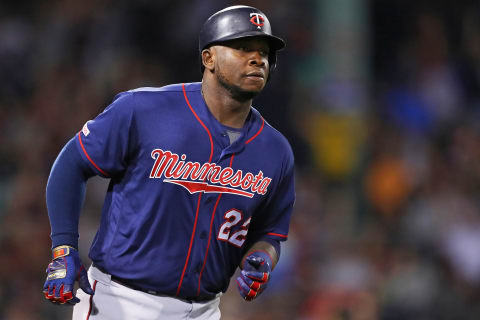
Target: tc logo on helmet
<point x="257" y="19"/>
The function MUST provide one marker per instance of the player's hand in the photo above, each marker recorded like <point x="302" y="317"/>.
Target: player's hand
<point x="62" y="272"/>
<point x="254" y="277"/>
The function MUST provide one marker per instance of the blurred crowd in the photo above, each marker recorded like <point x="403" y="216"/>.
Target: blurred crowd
<point x="389" y="229"/>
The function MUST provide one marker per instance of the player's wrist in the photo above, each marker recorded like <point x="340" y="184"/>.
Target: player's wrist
<point x="62" y="251"/>
<point x="65" y="239"/>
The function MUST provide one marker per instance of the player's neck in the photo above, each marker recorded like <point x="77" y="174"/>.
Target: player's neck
<point x="224" y="107"/>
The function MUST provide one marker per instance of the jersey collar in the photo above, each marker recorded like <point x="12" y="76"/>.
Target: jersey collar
<point x="249" y="132"/>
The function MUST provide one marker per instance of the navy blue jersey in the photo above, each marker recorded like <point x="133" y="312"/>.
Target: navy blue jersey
<point x="183" y="203"/>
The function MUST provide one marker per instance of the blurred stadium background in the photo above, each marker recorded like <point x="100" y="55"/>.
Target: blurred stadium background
<point x="379" y="99"/>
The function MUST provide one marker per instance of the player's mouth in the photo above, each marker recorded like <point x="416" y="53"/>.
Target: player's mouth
<point x="255" y="75"/>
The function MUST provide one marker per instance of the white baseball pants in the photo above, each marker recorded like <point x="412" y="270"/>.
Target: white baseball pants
<point x="114" y="301"/>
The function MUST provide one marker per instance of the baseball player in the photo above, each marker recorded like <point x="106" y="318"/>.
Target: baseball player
<point x="200" y="184"/>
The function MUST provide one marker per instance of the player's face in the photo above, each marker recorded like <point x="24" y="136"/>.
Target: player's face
<point x="242" y="66"/>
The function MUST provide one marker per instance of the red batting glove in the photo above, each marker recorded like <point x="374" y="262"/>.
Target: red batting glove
<point x="254" y="277"/>
<point x="62" y="272"/>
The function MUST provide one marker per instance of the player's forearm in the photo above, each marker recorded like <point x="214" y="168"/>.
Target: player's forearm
<point x="265" y="247"/>
<point x="65" y="195"/>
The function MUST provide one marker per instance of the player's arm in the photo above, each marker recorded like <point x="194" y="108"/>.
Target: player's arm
<point x="100" y="148"/>
<point x="268" y="228"/>
<point x="65" y="195"/>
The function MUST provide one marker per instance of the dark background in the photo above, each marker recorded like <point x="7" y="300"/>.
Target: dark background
<point x="384" y="127"/>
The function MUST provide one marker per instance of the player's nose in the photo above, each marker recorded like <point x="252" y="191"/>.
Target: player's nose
<point x="257" y="58"/>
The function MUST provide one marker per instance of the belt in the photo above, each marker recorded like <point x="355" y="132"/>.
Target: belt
<point x="129" y="284"/>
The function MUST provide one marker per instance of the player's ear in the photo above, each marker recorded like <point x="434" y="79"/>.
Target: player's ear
<point x="208" y="58"/>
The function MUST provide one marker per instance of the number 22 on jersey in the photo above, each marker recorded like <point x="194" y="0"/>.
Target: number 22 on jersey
<point x="233" y="217"/>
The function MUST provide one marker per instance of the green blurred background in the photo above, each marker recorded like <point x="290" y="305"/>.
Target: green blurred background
<point x="379" y="99"/>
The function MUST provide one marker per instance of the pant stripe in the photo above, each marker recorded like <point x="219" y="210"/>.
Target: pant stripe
<point x="91" y="300"/>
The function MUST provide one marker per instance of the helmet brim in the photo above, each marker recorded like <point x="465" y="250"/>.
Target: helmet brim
<point x="274" y="42"/>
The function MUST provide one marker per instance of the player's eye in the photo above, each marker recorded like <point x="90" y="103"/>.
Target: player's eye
<point x="264" y="53"/>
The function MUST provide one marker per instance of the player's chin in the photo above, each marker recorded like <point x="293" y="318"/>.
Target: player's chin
<point x="247" y="93"/>
<point x="253" y="87"/>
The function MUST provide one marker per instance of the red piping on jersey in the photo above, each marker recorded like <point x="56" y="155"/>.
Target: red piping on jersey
<point x="210" y="234"/>
<point x="203" y="125"/>
<point x="277" y="234"/>
<point x="200" y="195"/>
<point x="208" y="243"/>
<point x="256" y="134"/>
<point x="91" y="300"/>
<point x="88" y="157"/>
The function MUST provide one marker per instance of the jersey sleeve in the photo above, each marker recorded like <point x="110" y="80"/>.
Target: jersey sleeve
<point x="65" y="194"/>
<point x="105" y="142"/>
<point x="273" y="221"/>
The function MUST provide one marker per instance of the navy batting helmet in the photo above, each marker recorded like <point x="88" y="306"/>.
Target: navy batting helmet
<point x="239" y="22"/>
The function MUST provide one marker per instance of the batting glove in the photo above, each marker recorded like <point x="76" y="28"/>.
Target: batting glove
<point x="254" y="277"/>
<point x="62" y="272"/>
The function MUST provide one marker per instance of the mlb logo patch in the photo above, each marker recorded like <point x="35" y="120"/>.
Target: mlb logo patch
<point x="85" y="130"/>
